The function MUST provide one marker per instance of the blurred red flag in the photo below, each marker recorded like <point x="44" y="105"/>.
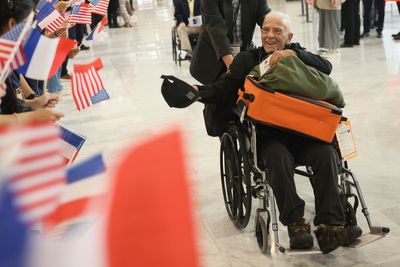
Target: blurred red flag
<point x="97" y="64"/>
<point x="151" y="221"/>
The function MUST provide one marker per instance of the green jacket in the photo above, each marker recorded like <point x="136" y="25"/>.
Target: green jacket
<point x="291" y="75"/>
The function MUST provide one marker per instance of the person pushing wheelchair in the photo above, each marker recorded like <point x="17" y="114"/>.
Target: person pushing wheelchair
<point x="278" y="150"/>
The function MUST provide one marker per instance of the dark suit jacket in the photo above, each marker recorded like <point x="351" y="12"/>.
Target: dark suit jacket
<point x="182" y="10"/>
<point x="214" y="42"/>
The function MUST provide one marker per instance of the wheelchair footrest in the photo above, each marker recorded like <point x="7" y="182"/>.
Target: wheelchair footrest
<point x="365" y="239"/>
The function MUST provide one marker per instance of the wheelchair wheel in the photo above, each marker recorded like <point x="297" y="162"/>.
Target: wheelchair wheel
<point x="174" y="49"/>
<point x="262" y="231"/>
<point x="350" y="218"/>
<point x="235" y="177"/>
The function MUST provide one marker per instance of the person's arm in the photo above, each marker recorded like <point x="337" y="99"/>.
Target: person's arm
<point x="224" y="90"/>
<point x="39" y="115"/>
<point x="178" y="12"/>
<point x="26" y="89"/>
<point x="262" y="10"/>
<point x="311" y="59"/>
<point x="215" y="26"/>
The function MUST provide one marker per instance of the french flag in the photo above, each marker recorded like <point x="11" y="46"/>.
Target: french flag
<point x="44" y="55"/>
<point x="96" y="31"/>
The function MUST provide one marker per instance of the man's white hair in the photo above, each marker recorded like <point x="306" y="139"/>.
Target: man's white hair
<point x="287" y="22"/>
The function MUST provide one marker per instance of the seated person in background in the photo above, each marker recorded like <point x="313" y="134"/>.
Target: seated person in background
<point x="182" y="13"/>
<point x="280" y="150"/>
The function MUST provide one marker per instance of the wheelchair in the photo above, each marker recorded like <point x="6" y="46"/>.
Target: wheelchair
<point x="243" y="178"/>
<point x="177" y="55"/>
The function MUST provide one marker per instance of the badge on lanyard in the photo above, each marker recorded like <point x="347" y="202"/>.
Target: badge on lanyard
<point x="235" y="47"/>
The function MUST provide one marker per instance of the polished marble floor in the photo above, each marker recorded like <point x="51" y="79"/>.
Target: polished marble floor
<point x="369" y="76"/>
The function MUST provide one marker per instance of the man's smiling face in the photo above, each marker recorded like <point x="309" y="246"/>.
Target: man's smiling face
<point x="275" y="34"/>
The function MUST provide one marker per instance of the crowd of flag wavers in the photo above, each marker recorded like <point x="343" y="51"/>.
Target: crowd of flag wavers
<point x="37" y="39"/>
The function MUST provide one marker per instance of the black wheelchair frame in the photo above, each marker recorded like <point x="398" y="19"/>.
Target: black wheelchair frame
<point x="242" y="179"/>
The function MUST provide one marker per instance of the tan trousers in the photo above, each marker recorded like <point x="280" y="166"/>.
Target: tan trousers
<point x="184" y="36"/>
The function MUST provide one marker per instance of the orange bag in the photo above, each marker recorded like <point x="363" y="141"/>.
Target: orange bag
<point x="318" y="119"/>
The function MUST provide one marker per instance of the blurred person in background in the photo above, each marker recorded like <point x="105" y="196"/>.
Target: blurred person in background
<point x="184" y="10"/>
<point x="228" y="29"/>
<point x="329" y="25"/>
<point x="351" y="20"/>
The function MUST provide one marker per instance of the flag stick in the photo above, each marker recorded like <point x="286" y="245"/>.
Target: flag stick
<point x="45" y="87"/>
<point x="6" y="69"/>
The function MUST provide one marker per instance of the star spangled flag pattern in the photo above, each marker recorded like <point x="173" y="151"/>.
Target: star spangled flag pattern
<point x="44" y="56"/>
<point x="42" y="3"/>
<point x="49" y="18"/>
<point x="7" y="44"/>
<point x="37" y="177"/>
<point x="87" y="87"/>
<point x="100" y="6"/>
<point x="71" y="144"/>
<point x="97" y="29"/>
<point x="81" y="14"/>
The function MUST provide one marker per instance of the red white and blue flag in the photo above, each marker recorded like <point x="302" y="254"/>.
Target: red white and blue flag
<point x="87" y="88"/>
<point x="97" y="30"/>
<point x="100" y="6"/>
<point x="36" y="177"/>
<point x="8" y="43"/>
<point x="49" y="18"/>
<point x="42" y="3"/>
<point x="81" y="13"/>
<point x="71" y="144"/>
<point x="44" y="55"/>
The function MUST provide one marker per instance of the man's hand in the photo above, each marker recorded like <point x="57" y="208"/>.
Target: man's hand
<point x="3" y="88"/>
<point x="228" y="59"/>
<point x="181" y="26"/>
<point x="278" y="55"/>
<point x="48" y="100"/>
<point x="61" y="6"/>
<point x="62" y="31"/>
<point x="44" y="115"/>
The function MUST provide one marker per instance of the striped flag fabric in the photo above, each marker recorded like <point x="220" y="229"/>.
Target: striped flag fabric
<point x="87" y="88"/>
<point x="37" y="176"/>
<point x="81" y="13"/>
<point x="72" y="143"/>
<point x="8" y="42"/>
<point x="100" y="6"/>
<point x="97" y="29"/>
<point x="49" y="18"/>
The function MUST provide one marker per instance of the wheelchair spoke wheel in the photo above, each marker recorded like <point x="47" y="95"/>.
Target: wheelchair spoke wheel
<point x="235" y="177"/>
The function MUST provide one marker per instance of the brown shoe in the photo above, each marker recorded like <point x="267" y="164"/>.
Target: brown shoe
<point x="66" y="77"/>
<point x="300" y="235"/>
<point x="330" y="237"/>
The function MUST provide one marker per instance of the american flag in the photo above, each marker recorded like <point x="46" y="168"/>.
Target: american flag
<point x="81" y="14"/>
<point x="100" y="6"/>
<point x="42" y="3"/>
<point x="49" y="18"/>
<point x="37" y="174"/>
<point x="85" y="86"/>
<point x="8" y="42"/>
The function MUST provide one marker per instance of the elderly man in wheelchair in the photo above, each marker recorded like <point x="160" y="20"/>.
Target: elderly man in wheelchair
<point x="270" y="161"/>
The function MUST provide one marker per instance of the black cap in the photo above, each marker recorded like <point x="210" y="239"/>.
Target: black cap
<point x="177" y="93"/>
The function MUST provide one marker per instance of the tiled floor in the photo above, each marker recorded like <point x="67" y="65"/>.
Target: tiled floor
<point x="369" y="76"/>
